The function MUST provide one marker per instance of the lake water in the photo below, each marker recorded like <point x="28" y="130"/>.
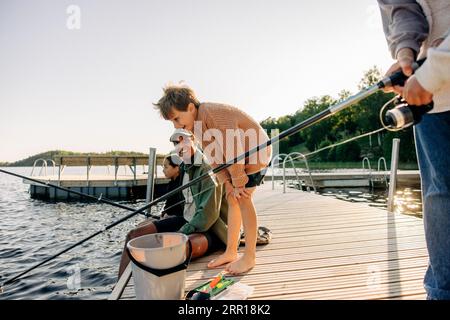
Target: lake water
<point x="406" y="201"/>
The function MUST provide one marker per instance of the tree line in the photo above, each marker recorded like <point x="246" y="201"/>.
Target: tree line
<point x="358" y="119"/>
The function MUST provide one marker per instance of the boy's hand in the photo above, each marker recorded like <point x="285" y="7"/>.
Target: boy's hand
<point x="236" y="193"/>
<point x="229" y="189"/>
<point x="241" y="192"/>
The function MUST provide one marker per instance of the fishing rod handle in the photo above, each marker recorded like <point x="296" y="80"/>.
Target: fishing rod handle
<point x="399" y="78"/>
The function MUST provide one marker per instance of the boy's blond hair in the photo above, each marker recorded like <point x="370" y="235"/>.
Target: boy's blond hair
<point x="176" y="96"/>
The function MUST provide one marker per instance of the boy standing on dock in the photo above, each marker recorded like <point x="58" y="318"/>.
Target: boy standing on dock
<point x="225" y="133"/>
<point x="203" y="211"/>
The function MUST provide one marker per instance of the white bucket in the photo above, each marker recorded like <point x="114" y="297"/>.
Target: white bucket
<point x="159" y="251"/>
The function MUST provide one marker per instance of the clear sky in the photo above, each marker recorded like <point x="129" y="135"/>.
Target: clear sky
<point x="91" y="89"/>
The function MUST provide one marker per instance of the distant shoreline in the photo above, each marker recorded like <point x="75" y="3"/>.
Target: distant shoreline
<point x="28" y="162"/>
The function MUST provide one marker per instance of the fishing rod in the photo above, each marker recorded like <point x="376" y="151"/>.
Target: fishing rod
<point x="397" y="78"/>
<point x="99" y="199"/>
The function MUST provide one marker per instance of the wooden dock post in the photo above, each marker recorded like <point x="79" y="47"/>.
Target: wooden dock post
<point x="393" y="177"/>
<point x="151" y="174"/>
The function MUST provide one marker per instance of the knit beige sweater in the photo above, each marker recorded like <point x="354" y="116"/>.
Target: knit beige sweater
<point x="217" y="128"/>
<point x="434" y="75"/>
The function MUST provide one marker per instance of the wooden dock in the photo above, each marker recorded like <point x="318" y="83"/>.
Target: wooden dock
<point x="118" y="188"/>
<point x="324" y="248"/>
<point x="69" y="181"/>
<point x="113" y="186"/>
<point x="347" y="179"/>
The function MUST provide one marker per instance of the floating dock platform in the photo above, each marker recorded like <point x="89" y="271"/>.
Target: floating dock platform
<point x="111" y="186"/>
<point x="349" y="179"/>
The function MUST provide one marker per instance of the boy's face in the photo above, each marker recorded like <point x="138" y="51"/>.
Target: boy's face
<point x="184" y="119"/>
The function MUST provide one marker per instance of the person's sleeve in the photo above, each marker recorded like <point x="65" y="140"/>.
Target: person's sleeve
<point x="435" y="71"/>
<point x="404" y="24"/>
<point x="207" y="208"/>
<point x="230" y="149"/>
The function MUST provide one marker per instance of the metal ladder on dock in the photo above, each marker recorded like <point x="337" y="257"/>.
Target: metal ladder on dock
<point x="384" y="178"/>
<point x="373" y="180"/>
<point x="364" y="160"/>
<point x="43" y="167"/>
<point x="300" y="182"/>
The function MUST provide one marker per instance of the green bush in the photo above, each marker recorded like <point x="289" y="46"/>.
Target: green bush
<point x="350" y="151"/>
<point x="331" y="156"/>
<point x="323" y="155"/>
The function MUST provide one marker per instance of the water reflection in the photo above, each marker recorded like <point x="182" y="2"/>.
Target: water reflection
<point x="406" y="200"/>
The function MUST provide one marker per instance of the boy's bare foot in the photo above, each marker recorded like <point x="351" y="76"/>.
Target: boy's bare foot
<point x="242" y="265"/>
<point x="223" y="259"/>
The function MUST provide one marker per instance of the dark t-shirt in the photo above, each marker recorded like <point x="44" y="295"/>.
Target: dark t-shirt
<point x="174" y="205"/>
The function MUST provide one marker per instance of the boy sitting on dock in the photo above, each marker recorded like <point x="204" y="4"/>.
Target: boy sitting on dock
<point x="204" y="212"/>
<point x="211" y="122"/>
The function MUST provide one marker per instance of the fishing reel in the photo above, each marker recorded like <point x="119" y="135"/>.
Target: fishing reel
<point x="403" y="115"/>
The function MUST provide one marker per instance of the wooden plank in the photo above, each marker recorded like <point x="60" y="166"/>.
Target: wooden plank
<point x="361" y="282"/>
<point x="121" y="284"/>
<point x="307" y="253"/>
<point x="420" y="296"/>
<point x="348" y="231"/>
<point x="396" y="289"/>
<point x="310" y="212"/>
<point x="324" y="229"/>
<point x="317" y="245"/>
<point x="337" y="218"/>
<point x="328" y="221"/>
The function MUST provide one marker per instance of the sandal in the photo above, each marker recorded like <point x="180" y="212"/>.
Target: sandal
<point x="264" y="236"/>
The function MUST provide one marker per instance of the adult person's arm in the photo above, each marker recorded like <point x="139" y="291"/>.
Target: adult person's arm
<point x="431" y="76"/>
<point x="405" y="27"/>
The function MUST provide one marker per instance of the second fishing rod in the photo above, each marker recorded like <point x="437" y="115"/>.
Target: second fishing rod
<point x="397" y="78"/>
